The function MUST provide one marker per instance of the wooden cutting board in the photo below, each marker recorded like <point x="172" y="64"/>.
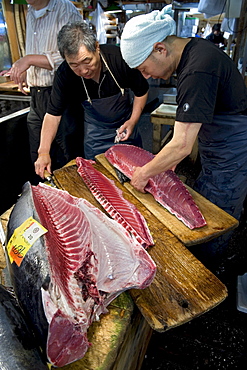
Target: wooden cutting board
<point x="183" y="288"/>
<point x="8" y="86"/>
<point x="218" y="221"/>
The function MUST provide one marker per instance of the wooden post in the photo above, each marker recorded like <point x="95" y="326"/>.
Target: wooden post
<point x="8" y="10"/>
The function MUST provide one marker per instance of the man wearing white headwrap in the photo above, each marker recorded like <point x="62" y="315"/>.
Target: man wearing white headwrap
<point x="212" y="104"/>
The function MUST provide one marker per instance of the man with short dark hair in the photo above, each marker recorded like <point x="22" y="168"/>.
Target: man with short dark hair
<point x="98" y="77"/>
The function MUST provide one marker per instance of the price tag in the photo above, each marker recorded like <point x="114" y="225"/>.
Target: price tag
<point x="23" y="238"/>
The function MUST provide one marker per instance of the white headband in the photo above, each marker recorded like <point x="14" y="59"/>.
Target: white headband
<point x="143" y="31"/>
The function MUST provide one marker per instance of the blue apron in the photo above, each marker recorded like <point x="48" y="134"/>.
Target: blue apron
<point x="101" y="119"/>
<point x="223" y="179"/>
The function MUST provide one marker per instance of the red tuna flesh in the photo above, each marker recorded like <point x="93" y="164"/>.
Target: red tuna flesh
<point x="92" y="259"/>
<point x="166" y="188"/>
<point x="112" y="200"/>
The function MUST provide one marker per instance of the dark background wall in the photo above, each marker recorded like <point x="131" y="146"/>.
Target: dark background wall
<point x="15" y="164"/>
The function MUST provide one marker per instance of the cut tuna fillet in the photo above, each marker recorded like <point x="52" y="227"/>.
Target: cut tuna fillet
<point x="69" y="275"/>
<point x="166" y="187"/>
<point x="112" y="200"/>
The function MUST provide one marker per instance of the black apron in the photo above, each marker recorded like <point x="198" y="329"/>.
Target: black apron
<point x="101" y="119"/>
<point x="223" y="179"/>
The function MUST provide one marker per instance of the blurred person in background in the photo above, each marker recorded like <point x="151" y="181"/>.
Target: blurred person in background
<point x="216" y="36"/>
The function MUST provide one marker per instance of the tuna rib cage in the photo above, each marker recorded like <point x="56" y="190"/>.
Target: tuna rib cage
<point x="112" y="200"/>
<point x="166" y="188"/>
<point x="91" y="259"/>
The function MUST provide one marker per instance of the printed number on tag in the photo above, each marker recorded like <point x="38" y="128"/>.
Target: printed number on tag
<point x="23" y="238"/>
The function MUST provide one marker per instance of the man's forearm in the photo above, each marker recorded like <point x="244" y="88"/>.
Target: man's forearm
<point x="172" y="153"/>
<point x="22" y="65"/>
<point x="40" y="61"/>
<point x="175" y="151"/>
<point x="48" y="132"/>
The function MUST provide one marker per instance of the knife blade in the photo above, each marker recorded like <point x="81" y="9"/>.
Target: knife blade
<point x="48" y="177"/>
<point x="119" y="136"/>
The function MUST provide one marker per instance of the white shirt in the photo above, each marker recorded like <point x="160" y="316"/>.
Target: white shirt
<point x="41" y="37"/>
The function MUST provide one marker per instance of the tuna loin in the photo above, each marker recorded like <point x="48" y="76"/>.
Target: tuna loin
<point x="80" y="265"/>
<point x="166" y="187"/>
<point x="112" y="200"/>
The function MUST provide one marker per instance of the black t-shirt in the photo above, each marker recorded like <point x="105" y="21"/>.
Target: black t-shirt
<point x="208" y="84"/>
<point x="67" y="86"/>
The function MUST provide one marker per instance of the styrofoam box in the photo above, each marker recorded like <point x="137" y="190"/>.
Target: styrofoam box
<point x="242" y="293"/>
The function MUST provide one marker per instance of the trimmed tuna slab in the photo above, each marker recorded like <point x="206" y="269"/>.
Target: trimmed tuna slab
<point x="71" y="273"/>
<point x="112" y="200"/>
<point x="166" y="188"/>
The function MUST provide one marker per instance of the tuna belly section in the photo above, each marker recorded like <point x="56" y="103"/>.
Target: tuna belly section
<point x="112" y="200"/>
<point x="170" y="192"/>
<point x="67" y="340"/>
<point x="166" y="188"/>
<point x="91" y="259"/>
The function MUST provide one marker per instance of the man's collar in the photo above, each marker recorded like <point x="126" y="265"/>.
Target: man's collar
<point x="50" y="6"/>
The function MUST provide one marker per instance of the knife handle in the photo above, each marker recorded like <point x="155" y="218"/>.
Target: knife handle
<point x="46" y="174"/>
